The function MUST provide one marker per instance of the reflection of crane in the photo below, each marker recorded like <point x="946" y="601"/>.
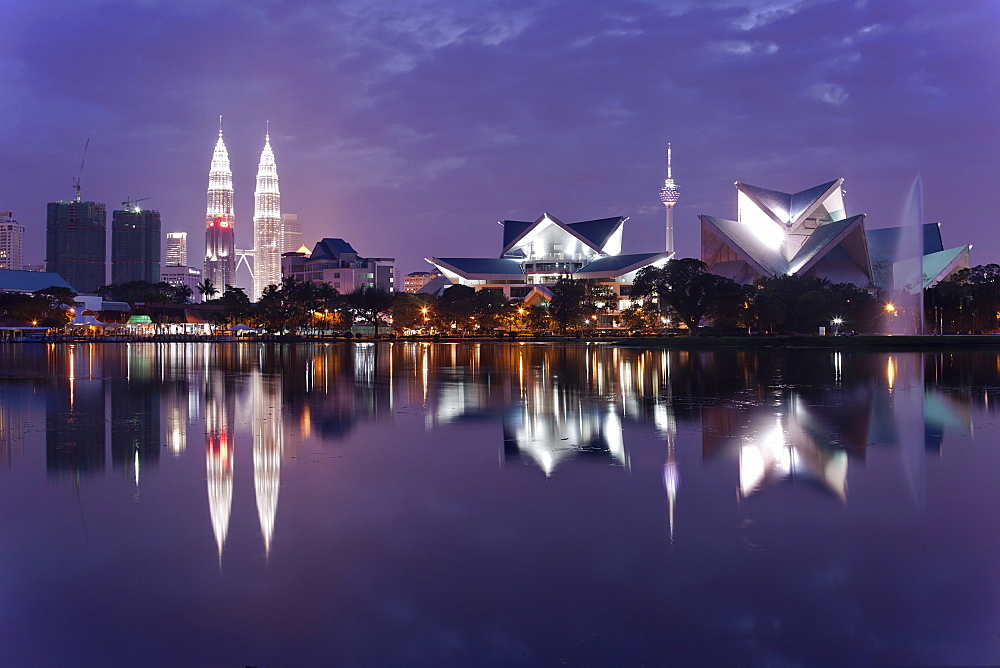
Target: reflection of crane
<point x="131" y="204"/>
<point x="76" y="181"/>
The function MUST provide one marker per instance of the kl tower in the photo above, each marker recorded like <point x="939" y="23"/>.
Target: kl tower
<point x="669" y="195"/>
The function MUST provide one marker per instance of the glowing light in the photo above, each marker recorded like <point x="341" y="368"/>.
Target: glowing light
<point x="890" y="308"/>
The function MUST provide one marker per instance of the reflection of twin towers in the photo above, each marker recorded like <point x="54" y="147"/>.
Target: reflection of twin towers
<point x="220" y="453"/>
<point x="101" y="394"/>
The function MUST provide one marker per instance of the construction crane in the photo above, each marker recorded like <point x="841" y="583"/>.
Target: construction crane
<point x="131" y="204"/>
<point x="76" y="181"/>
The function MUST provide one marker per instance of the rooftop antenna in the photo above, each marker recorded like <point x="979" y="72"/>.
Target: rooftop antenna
<point x="76" y="181"/>
<point x="220" y="125"/>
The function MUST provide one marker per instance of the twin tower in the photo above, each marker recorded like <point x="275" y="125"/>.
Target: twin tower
<point x="220" y="240"/>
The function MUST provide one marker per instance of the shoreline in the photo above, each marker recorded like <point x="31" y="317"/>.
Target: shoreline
<point x="860" y="342"/>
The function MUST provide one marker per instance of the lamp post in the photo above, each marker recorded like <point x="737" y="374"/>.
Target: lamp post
<point x="837" y="322"/>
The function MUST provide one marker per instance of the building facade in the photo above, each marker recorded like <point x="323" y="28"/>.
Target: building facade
<point x="334" y="261"/>
<point x="75" y="234"/>
<point x="177" y="249"/>
<point x="11" y="242"/>
<point x="178" y="276"/>
<point x="415" y="280"/>
<point x="537" y="254"/>
<point x="776" y="234"/>
<point x="267" y="224"/>
<point x="220" y="240"/>
<point x="135" y="245"/>
<point x="291" y="233"/>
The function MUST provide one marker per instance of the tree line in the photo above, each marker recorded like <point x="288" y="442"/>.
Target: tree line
<point x="680" y="295"/>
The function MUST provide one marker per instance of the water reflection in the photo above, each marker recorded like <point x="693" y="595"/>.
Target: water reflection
<point x="803" y="418"/>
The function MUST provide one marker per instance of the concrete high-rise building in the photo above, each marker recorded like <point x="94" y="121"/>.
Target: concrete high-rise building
<point x="135" y="245"/>
<point x="75" y="237"/>
<point x="177" y="255"/>
<point x="291" y="233"/>
<point x="11" y="242"/>
<point x="267" y="223"/>
<point x="220" y="240"/>
<point x="178" y="276"/>
<point x="669" y="194"/>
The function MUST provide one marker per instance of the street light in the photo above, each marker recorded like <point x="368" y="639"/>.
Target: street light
<point x="837" y="322"/>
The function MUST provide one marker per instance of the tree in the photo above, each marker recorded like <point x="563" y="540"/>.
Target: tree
<point x="236" y="306"/>
<point x="410" y="311"/>
<point x="684" y="288"/>
<point x="144" y="291"/>
<point x="368" y="303"/>
<point x="569" y="302"/>
<point x="206" y="288"/>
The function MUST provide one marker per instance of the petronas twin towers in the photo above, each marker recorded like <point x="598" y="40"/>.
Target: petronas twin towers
<point x="220" y="240"/>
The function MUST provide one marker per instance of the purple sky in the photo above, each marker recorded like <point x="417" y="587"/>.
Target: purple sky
<point x="410" y="128"/>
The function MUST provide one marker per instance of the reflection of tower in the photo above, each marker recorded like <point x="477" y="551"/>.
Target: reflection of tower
<point x="12" y="412"/>
<point x="74" y="417"/>
<point x="220" y="244"/>
<point x="669" y="195"/>
<point x="135" y="411"/>
<point x="267" y="443"/>
<point x="267" y="243"/>
<point x="219" y="466"/>
<point x="663" y="418"/>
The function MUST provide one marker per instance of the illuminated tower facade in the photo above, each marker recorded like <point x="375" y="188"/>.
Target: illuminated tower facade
<point x="291" y="233"/>
<point x="11" y="242"/>
<point x="267" y="224"/>
<point x="177" y="253"/>
<point x="220" y="243"/>
<point x="669" y="195"/>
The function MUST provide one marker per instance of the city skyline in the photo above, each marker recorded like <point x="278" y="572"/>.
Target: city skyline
<point x="410" y="130"/>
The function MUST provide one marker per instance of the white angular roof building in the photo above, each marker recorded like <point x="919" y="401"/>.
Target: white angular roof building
<point x="806" y="233"/>
<point x="536" y="254"/>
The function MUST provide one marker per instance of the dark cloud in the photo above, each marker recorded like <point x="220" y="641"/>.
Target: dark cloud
<point x="410" y="128"/>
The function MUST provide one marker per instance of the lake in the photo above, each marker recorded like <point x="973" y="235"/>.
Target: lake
<point x="354" y="503"/>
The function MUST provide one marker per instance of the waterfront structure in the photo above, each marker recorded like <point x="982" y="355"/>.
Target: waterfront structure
<point x="669" y="194"/>
<point x="135" y="245"/>
<point x="267" y="224"/>
<point x="178" y="276"/>
<point x="334" y="261"/>
<point x="75" y="238"/>
<point x="291" y="233"/>
<point x="220" y="244"/>
<point x="177" y="249"/>
<point x="776" y="234"/>
<point x="11" y="242"/>
<point x="537" y="254"/>
<point x="30" y="281"/>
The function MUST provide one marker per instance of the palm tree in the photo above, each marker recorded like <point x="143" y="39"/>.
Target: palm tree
<point x="207" y="288"/>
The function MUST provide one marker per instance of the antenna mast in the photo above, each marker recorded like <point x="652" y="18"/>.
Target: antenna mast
<point x="76" y="181"/>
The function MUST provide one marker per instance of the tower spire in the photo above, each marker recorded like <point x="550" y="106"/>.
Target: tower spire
<point x="220" y="125"/>
<point x="267" y="242"/>
<point x="669" y="195"/>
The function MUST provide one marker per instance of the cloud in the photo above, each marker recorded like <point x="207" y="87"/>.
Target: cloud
<point x="828" y="92"/>
<point x="744" y="48"/>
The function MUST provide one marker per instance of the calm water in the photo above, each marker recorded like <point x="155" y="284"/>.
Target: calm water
<point x="234" y="504"/>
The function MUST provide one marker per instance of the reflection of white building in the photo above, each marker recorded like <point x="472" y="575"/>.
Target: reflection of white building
<point x="776" y="234"/>
<point x="219" y="464"/>
<point x="267" y="446"/>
